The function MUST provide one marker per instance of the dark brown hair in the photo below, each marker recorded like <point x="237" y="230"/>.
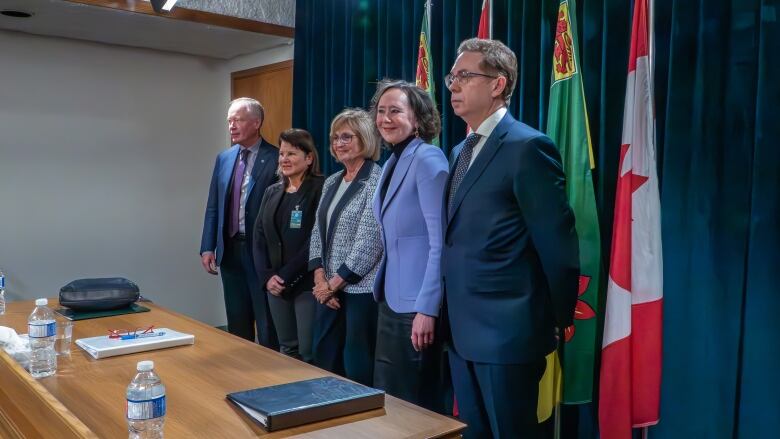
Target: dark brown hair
<point x="302" y="140"/>
<point x="425" y="113"/>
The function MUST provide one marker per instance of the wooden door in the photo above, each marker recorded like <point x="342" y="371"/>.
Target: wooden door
<point x="272" y="86"/>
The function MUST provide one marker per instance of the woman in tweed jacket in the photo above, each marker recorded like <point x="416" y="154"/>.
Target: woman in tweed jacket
<point x="345" y="251"/>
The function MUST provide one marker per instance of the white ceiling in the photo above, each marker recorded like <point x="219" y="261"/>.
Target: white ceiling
<point x="111" y="26"/>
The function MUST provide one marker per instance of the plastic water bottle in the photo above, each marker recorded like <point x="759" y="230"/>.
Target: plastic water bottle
<point x="145" y="403"/>
<point x="42" y="329"/>
<point x="2" y="292"/>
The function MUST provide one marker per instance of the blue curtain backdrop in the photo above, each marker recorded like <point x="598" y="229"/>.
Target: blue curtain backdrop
<point x="716" y="91"/>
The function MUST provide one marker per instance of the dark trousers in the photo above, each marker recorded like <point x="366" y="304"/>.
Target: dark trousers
<point x="399" y="369"/>
<point x="497" y="400"/>
<point x="246" y="303"/>
<point x="293" y="319"/>
<point x="345" y="339"/>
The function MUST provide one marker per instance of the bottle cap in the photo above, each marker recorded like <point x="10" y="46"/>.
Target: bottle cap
<point x="145" y="366"/>
<point x="41" y="302"/>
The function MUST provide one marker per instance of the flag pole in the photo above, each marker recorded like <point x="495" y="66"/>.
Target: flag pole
<point x="490" y="18"/>
<point x="557" y="412"/>
<point x="428" y="13"/>
<point x="651" y="43"/>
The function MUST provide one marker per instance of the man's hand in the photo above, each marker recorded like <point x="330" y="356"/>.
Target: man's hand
<point x="422" y="331"/>
<point x="209" y="262"/>
<point x="275" y="285"/>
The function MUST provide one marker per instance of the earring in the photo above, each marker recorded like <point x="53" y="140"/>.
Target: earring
<point x="416" y="132"/>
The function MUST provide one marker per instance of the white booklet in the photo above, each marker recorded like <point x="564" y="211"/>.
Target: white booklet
<point x="104" y="346"/>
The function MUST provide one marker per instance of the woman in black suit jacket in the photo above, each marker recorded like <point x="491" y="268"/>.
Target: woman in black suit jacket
<point x="281" y="242"/>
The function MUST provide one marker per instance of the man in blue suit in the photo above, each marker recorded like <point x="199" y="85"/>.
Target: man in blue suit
<point x="510" y="261"/>
<point x="241" y="175"/>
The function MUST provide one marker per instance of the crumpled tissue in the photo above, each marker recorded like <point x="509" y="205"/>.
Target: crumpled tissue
<point x="11" y="342"/>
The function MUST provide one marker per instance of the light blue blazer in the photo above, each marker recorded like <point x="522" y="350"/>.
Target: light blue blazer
<point x="410" y="222"/>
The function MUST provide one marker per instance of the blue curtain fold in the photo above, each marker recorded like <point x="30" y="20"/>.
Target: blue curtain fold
<point x="720" y="199"/>
<point x="716" y="94"/>
<point x="760" y="391"/>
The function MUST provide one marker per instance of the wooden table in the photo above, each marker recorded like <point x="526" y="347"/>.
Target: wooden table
<point x="86" y="398"/>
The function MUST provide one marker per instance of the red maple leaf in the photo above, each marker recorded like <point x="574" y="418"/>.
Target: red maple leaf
<point x="582" y="311"/>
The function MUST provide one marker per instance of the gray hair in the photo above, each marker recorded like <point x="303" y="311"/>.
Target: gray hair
<point x="252" y="105"/>
<point x="497" y="58"/>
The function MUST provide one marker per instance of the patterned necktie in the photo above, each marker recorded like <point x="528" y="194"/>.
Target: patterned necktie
<point x="235" y="193"/>
<point x="464" y="160"/>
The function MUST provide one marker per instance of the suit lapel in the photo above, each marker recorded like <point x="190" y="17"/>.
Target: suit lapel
<point x="227" y="165"/>
<point x="377" y="202"/>
<point x="327" y="198"/>
<point x="360" y="179"/>
<point x="263" y="152"/>
<point x="400" y="171"/>
<point x="492" y="145"/>
<point x="453" y="158"/>
<point x="272" y="235"/>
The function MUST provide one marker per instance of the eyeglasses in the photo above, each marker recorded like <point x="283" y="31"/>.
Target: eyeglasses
<point x="127" y="334"/>
<point x="463" y="77"/>
<point x="345" y="139"/>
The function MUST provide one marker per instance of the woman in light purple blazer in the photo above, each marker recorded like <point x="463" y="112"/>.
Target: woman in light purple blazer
<point x="408" y="206"/>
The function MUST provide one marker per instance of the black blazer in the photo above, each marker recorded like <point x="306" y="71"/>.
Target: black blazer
<point x="286" y="254"/>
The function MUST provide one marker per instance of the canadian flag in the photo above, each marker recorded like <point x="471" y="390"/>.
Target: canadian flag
<point x="631" y="349"/>
<point x="484" y="31"/>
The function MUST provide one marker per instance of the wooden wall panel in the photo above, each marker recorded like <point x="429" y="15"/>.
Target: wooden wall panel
<point x="272" y="86"/>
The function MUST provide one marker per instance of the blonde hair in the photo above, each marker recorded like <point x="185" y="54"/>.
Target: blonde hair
<point x="359" y="121"/>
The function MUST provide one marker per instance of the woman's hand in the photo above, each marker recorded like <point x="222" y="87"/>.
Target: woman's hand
<point x="333" y="303"/>
<point x="336" y="283"/>
<point x="322" y="291"/>
<point x="422" y="331"/>
<point x="319" y="276"/>
<point x="275" y="285"/>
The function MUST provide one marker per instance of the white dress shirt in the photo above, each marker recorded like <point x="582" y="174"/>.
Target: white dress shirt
<point x="485" y="130"/>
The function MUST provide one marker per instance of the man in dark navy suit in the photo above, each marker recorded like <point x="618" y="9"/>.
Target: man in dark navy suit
<point x="241" y="175"/>
<point x="510" y="261"/>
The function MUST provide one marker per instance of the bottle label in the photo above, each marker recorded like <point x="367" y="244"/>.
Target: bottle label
<point x="41" y="329"/>
<point x="2" y="281"/>
<point x="146" y="409"/>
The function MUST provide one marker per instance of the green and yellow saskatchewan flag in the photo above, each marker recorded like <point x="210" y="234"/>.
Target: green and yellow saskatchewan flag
<point x="567" y="126"/>
<point x="424" y="78"/>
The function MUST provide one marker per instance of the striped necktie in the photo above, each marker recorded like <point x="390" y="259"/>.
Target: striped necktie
<point x="464" y="160"/>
